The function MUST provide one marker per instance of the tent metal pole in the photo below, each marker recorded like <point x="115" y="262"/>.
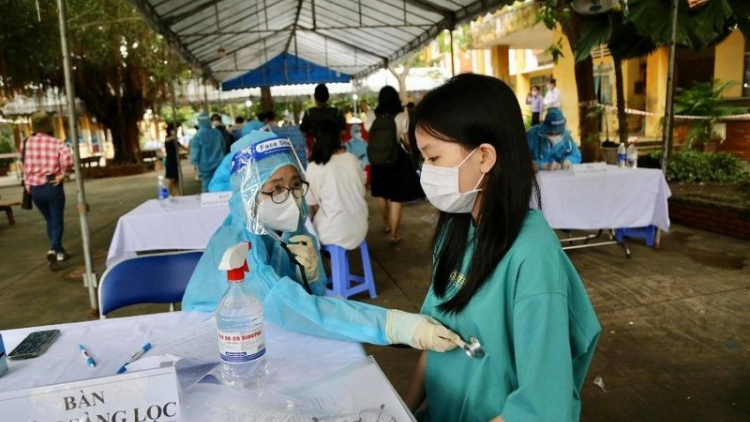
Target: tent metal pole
<point x="89" y="277"/>
<point x="175" y="122"/>
<point x="453" y="63"/>
<point x="669" y="109"/>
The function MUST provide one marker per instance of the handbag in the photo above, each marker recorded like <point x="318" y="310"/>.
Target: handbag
<point x="26" y="203"/>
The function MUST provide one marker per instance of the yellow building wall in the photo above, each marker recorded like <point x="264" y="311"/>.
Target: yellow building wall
<point x="501" y="63"/>
<point x="657" y="65"/>
<point x="728" y="63"/>
<point x="564" y="73"/>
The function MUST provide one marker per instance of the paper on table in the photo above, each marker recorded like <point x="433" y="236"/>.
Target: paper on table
<point x="360" y="392"/>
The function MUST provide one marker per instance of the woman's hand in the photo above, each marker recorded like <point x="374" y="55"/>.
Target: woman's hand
<point x="304" y="250"/>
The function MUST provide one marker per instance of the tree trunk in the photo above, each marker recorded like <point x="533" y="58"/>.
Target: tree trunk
<point x="266" y="100"/>
<point x="584" y="75"/>
<point x="622" y="117"/>
<point x="402" y="92"/>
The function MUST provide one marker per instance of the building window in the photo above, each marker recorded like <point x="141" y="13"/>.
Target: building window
<point x="746" y="79"/>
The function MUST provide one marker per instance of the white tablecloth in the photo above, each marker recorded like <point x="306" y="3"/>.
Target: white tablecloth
<point x="294" y="358"/>
<point x="618" y="198"/>
<point x="184" y="224"/>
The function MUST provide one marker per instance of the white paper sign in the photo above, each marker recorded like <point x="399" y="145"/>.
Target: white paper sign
<point x="149" y="395"/>
<point x="588" y="168"/>
<point x="211" y="199"/>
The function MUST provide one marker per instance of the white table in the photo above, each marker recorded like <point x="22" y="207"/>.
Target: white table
<point x="298" y="363"/>
<point x="184" y="224"/>
<point x="617" y="198"/>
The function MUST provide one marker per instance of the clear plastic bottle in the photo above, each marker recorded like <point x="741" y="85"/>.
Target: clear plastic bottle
<point x="239" y="322"/>
<point x="162" y="191"/>
<point x="632" y="155"/>
<point x="621" y="155"/>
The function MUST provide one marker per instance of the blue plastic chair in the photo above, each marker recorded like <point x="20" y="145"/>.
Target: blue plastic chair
<point x="648" y="233"/>
<point x="157" y="278"/>
<point x="344" y="284"/>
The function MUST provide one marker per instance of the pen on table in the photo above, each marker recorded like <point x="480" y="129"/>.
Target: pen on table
<point x="89" y="360"/>
<point x="137" y="355"/>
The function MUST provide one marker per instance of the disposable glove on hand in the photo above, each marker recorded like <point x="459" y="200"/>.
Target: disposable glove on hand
<point x="554" y="166"/>
<point x="419" y="331"/>
<point x="566" y="165"/>
<point x="304" y="250"/>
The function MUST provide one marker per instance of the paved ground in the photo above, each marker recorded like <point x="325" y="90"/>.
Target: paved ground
<point x="676" y="338"/>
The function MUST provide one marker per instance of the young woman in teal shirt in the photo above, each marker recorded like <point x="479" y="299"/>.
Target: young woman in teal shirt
<point x="499" y="273"/>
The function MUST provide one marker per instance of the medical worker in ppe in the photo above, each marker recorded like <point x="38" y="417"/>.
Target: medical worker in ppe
<point x="499" y="273"/>
<point x="221" y="181"/>
<point x="552" y="147"/>
<point x="269" y="187"/>
<point x="206" y="150"/>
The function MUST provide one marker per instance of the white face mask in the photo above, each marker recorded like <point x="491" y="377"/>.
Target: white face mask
<point x="282" y="217"/>
<point x="534" y="92"/>
<point x="215" y="123"/>
<point x="440" y="184"/>
<point x="550" y="87"/>
<point x="554" y="139"/>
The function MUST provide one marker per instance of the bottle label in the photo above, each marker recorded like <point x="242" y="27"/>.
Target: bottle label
<point x="163" y="193"/>
<point x="241" y="347"/>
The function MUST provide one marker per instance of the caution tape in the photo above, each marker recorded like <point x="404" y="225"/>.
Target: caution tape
<point x="745" y="116"/>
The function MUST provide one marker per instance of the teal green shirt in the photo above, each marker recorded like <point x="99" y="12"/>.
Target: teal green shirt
<point x="537" y="327"/>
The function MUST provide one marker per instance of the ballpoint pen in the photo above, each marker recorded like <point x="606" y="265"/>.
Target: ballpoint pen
<point x="89" y="360"/>
<point x="137" y="355"/>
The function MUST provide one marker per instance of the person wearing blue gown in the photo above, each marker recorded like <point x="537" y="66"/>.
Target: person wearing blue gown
<point x="206" y="150"/>
<point x="551" y="144"/>
<point x="268" y="207"/>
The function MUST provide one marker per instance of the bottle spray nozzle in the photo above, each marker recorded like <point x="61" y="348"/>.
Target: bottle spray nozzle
<point x="234" y="261"/>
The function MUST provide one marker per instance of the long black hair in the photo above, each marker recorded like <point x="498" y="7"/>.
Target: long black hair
<point x="388" y="102"/>
<point x="472" y="110"/>
<point x="327" y="141"/>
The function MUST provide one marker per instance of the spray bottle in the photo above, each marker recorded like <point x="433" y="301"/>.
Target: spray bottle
<point x="239" y="322"/>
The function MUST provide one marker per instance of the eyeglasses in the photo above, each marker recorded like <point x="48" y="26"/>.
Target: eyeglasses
<point x="279" y="194"/>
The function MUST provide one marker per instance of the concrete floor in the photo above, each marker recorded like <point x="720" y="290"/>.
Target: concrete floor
<point x="675" y="344"/>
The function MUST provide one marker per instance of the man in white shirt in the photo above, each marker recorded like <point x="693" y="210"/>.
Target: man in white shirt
<point x="552" y="96"/>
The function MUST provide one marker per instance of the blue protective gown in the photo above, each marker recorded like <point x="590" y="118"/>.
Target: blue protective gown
<point x="543" y="152"/>
<point x="206" y="150"/>
<point x="251" y="126"/>
<point x="274" y="278"/>
<point x="537" y="327"/>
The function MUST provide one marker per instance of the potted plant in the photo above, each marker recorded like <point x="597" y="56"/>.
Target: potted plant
<point x="705" y="99"/>
<point x="5" y="163"/>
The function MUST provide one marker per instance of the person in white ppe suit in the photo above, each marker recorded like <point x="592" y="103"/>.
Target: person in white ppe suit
<point x="268" y="205"/>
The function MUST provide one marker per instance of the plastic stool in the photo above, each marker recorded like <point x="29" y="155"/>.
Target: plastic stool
<point x="648" y="233"/>
<point x="342" y="282"/>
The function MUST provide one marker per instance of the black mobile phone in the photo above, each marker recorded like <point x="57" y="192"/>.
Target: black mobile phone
<point x="50" y="178"/>
<point x="34" y="344"/>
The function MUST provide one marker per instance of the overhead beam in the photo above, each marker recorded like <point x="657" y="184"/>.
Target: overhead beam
<point x="296" y="23"/>
<point x="319" y="28"/>
<point x="430" y="7"/>
<point x="345" y="43"/>
<point x="259" y="40"/>
<point x="171" y="20"/>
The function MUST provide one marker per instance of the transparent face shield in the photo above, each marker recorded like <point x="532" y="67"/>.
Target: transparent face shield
<point x="271" y="185"/>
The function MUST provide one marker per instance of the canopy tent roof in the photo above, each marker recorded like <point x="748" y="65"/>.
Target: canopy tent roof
<point x="228" y="38"/>
<point x="285" y="69"/>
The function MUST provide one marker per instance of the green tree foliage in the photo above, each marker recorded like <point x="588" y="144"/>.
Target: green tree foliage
<point x="120" y="66"/>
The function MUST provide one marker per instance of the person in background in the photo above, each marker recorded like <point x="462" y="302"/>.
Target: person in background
<point x="395" y="183"/>
<point x="218" y="125"/>
<point x="269" y="118"/>
<point x="366" y="114"/>
<point x="337" y="193"/>
<point x="46" y="162"/>
<point x="552" y="96"/>
<point x="551" y="145"/>
<point x="499" y="272"/>
<point x="206" y="150"/>
<point x="171" y="170"/>
<point x="321" y="111"/>
<point x="255" y="124"/>
<point x="535" y="101"/>
<point x="268" y="196"/>
<point x="410" y="108"/>
<point x="236" y="129"/>
<point x="357" y="146"/>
